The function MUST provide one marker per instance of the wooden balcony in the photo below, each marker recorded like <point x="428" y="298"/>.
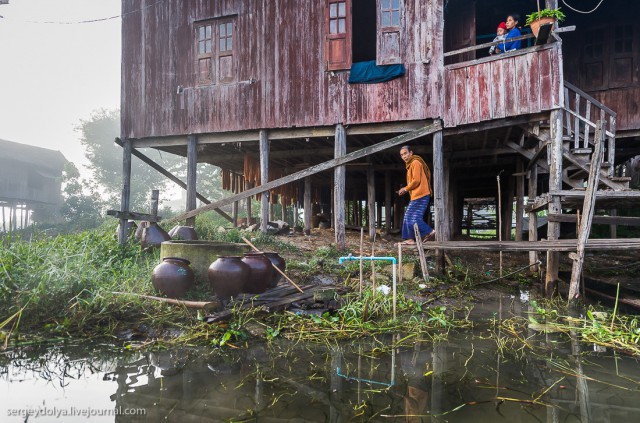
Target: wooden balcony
<point x="517" y="83"/>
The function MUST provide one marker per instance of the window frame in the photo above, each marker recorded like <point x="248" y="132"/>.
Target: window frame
<point x="216" y="55"/>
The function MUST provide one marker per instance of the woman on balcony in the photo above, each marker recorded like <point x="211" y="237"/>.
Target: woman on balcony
<point x="514" y="32"/>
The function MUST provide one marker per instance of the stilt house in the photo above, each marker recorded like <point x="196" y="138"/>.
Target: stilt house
<point x="307" y="102"/>
<point x="30" y="177"/>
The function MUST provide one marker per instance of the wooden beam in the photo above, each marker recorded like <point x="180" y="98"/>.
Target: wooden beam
<point x="192" y="168"/>
<point x="597" y="220"/>
<point x="133" y="216"/>
<point x="339" y="189"/>
<point x="126" y="189"/>
<point x="264" y="178"/>
<point x="392" y="142"/>
<point x="172" y="178"/>
<point x="533" y="218"/>
<point x="566" y="245"/>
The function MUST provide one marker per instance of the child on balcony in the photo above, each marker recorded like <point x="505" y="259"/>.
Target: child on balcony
<point x="501" y="34"/>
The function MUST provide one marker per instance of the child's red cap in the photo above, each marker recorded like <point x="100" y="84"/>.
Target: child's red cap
<point x="502" y="25"/>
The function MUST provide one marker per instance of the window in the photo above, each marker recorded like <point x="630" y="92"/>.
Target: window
<point x="215" y="43"/>
<point x="362" y="30"/>
<point x="338" y="34"/>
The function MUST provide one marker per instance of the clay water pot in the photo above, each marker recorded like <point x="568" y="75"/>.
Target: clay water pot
<point x="153" y="235"/>
<point x="173" y="277"/>
<point x="185" y="233"/>
<point x="261" y="272"/>
<point x="228" y="275"/>
<point x="279" y="263"/>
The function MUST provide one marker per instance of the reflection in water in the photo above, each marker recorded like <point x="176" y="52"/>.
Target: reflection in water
<point x="473" y="376"/>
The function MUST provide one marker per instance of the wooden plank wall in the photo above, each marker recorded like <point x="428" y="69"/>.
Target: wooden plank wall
<point x="625" y="102"/>
<point x="502" y="87"/>
<point x="280" y="45"/>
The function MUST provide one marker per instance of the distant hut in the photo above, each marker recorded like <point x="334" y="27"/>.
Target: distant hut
<point x="30" y="178"/>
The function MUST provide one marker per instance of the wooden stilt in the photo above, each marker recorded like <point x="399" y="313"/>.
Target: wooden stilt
<point x="126" y="189"/>
<point x="519" y="199"/>
<point x="439" y="198"/>
<point x="307" y="205"/>
<point x="340" y="149"/>
<point x="234" y="206"/>
<point x="507" y="216"/>
<point x="555" y="207"/>
<point x="192" y="171"/>
<point x="613" y="228"/>
<point x="248" y="204"/>
<point x="371" y="202"/>
<point x="264" y="178"/>
<point x="533" y="218"/>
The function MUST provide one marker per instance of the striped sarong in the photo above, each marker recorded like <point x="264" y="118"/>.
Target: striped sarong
<point x="415" y="214"/>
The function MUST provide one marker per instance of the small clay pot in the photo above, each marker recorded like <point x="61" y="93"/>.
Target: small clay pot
<point x="185" y="233"/>
<point x="228" y="275"/>
<point x="130" y="228"/>
<point x="261" y="272"/>
<point x="279" y="263"/>
<point x="153" y="235"/>
<point x="173" y="277"/>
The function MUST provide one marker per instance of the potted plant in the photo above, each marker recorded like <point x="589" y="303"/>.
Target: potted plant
<point x="544" y="16"/>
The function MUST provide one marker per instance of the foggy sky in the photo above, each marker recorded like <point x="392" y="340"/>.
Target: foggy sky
<point x="54" y="74"/>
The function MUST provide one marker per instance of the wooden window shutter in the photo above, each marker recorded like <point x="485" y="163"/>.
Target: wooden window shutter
<point x="337" y="34"/>
<point x="390" y="17"/>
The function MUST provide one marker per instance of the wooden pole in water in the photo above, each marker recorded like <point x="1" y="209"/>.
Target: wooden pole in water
<point x="340" y="149"/>
<point x="264" y="178"/>
<point x="499" y="213"/>
<point x="192" y="171"/>
<point x="587" y="211"/>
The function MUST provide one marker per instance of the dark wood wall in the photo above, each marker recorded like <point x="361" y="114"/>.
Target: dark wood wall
<point x="280" y="79"/>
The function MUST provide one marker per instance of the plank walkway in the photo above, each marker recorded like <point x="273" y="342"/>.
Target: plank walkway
<point x="558" y="245"/>
<point x="273" y="299"/>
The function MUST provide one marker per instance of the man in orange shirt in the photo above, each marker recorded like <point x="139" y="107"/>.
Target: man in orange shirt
<point x="418" y="182"/>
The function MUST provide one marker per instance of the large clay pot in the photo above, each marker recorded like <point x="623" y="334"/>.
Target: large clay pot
<point x="173" y="277"/>
<point x="228" y="275"/>
<point x="185" y="233"/>
<point x="201" y="254"/>
<point x="261" y="272"/>
<point x="153" y="235"/>
<point x="279" y="263"/>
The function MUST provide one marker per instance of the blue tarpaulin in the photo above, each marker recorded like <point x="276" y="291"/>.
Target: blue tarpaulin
<point x="370" y="73"/>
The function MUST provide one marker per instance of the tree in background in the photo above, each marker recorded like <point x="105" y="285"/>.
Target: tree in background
<point x="82" y="204"/>
<point x="97" y="136"/>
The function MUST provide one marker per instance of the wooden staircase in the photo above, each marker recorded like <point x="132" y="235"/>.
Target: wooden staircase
<point x="581" y="114"/>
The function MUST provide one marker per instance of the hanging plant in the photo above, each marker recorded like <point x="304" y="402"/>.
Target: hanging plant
<point x="545" y="13"/>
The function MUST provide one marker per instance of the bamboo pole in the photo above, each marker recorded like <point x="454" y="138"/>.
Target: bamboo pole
<point x="274" y="266"/>
<point x="189" y="304"/>
<point x="423" y="260"/>
<point x="361" y="251"/>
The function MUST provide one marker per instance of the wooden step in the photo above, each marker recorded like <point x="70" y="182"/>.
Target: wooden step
<point x="581" y="151"/>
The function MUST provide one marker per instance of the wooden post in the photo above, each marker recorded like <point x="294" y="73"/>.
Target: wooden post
<point x="555" y="207"/>
<point x="192" y="168"/>
<point x="155" y="197"/>
<point x="248" y="186"/>
<point x="126" y="189"/>
<point x="613" y="228"/>
<point x="533" y="217"/>
<point x="264" y="178"/>
<point x="469" y="218"/>
<point x="340" y="149"/>
<point x="439" y="198"/>
<point x="587" y="210"/>
<point x="234" y="206"/>
<point x="283" y="209"/>
<point x="519" y="199"/>
<point x="307" y="205"/>
<point x="371" y="202"/>
<point x="507" y="216"/>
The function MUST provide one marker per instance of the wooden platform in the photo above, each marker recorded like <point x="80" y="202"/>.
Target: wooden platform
<point x="559" y="245"/>
<point x="604" y="199"/>
<point x="271" y="300"/>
